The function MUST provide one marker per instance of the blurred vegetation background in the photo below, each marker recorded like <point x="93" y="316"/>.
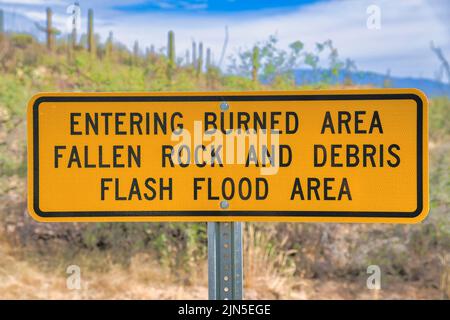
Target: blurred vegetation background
<point x="282" y="260"/>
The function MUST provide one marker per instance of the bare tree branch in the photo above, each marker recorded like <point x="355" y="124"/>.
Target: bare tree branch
<point x="442" y="59"/>
<point x="224" y="48"/>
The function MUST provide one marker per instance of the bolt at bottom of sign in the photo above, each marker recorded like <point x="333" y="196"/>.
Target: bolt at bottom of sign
<point x="224" y="204"/>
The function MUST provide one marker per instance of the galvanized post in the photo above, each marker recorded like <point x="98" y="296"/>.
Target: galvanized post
<point x="225" y="260"/>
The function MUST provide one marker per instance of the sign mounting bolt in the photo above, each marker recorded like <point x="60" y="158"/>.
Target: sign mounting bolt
<point x="224" y="106"/>
<point x="224" y="204"/>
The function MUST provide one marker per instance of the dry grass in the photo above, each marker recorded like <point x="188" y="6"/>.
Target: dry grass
<point x="268" y="275"/>
<point x="142" y="279"/>
<point x="267" y="267"/>
<point x="445" y="275"/>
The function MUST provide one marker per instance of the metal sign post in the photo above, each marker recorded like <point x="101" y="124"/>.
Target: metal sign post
<point x="225" y="261"/>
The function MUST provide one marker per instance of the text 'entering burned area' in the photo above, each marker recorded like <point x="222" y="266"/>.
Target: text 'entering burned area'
<point x="230" y="126"/>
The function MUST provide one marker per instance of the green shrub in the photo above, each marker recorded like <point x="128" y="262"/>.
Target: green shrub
<point x="439" y="118"/>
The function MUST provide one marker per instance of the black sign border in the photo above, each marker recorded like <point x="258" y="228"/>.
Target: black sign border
<point x="229" y="98"/>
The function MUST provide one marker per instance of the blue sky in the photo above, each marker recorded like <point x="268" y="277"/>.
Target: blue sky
<point x="215" y="6"/>
<point x="401" y="44"/>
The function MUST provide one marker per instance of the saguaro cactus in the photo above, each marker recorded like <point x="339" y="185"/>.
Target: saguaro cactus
<point x="170" y="54"/>
<point x="208" y="68"/>
<point x="152" y="57"/>
<point x="194" y="54"/>
<point x="50" y="34"/>
<point x="69" y="49"/>
<point x="49" y="30"/>
<point x="187" y="57"/>
<point x="2" y="25"/>
<point x="171" y="46"/>
<point x="74" y="26"/>
<point x="255" y="64"/>
<point x="90" y="32"/>
<point x="200" y="59"/>
<point x="135" y="52"/>
<point x="109" y="46"/>
<point x="208" y="58"/>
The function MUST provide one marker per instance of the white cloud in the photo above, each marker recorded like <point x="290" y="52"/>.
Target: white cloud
<point x="33" y="2"/>
<point x="162" y="4"/>
<point x="193" y="6"/>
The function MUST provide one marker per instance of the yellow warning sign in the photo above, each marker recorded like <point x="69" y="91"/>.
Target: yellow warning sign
<point x="312" y="156"/>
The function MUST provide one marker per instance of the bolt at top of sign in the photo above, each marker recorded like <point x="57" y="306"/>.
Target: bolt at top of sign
<point x="224" y="106"/>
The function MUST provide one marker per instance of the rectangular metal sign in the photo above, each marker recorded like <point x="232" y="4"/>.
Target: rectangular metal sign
<point x="313" y="156"/>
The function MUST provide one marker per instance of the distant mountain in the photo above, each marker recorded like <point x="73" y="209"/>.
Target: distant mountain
<point x="431" y="88"/>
